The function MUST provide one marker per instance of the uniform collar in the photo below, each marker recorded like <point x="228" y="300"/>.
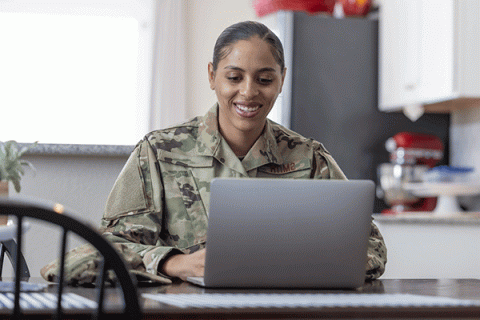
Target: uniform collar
<point x="211" y="143"/>
<point x="264" y="151"/>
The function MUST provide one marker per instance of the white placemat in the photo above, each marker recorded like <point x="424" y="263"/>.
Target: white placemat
<point x="44" y="300"/>
<point x="306" y="300"/>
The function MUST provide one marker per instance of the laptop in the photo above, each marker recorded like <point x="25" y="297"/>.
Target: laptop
<point x="287" y="233"/>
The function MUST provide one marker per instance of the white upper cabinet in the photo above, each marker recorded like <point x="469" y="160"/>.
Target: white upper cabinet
<point x="429" y="54"/>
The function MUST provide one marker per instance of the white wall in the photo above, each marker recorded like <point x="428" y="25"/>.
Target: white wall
<point x="206" y="19"/>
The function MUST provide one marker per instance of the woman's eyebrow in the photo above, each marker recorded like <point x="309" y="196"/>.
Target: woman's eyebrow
<point x="266" y="69"/>
<point x="234" y="68"/>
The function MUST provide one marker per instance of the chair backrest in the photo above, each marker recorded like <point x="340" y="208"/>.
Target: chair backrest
<point x="56" y="214"/>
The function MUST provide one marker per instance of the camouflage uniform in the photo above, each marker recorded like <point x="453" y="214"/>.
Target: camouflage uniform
<point x="159" y="203"/>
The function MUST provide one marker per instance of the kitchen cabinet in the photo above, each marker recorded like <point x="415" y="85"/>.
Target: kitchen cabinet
<point x="428" y="54"/>
<point x="424" y="246"/>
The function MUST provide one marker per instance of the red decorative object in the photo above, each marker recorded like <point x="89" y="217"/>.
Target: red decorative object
<point x="409" y="151"/>
<point x="420" y="148"/>
<point x="264" y="7"/>
<point x="356" y="7"/>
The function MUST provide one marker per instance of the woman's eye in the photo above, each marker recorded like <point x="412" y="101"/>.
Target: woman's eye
<point x="233" y="78"/>
<point x="265" y="80"/>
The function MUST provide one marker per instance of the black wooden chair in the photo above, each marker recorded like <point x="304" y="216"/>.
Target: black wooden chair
<point x="57" y="215"/>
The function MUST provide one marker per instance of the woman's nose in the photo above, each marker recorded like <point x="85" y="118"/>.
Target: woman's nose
<point x="249" y="89"/>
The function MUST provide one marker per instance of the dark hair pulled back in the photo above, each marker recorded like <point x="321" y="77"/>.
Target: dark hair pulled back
<point x="244" y="31"/>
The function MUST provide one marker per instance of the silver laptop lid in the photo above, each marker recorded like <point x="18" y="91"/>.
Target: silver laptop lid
<point x="288" y="233"/>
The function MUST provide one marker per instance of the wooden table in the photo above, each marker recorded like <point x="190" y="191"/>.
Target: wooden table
<point x="453" y="288"/>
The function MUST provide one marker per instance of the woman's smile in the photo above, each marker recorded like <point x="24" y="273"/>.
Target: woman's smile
<point x="247" y="109"/>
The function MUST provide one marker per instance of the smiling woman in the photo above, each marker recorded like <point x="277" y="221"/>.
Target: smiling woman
<point x="247" y="74"/>
<point x="247" y="82"/>
<point x="75" y="72"/>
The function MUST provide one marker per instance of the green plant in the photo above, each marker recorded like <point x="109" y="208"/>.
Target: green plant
<point x="11" y="164"/>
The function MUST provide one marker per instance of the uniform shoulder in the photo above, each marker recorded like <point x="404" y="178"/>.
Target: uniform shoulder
<point x="179" y="138"/>
<point x="175" y="132"/>
<point x="289" y="140"/>
<point x="293" y="145"/>
<point x="284" y="135"/>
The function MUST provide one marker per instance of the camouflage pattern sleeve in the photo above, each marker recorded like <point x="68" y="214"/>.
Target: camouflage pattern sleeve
<point x="326" y="168"/>
<point x="134" y="210"/>
<point x="81" y="266"/>
<point x="376" y="255"/>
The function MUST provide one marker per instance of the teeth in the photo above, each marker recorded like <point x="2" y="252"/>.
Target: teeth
<point x="248" y="109"/>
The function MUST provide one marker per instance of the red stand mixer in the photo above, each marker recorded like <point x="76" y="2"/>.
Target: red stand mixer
<point x="411" y="155"/>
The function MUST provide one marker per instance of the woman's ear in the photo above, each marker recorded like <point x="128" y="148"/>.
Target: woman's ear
<point x="211" y="76"/>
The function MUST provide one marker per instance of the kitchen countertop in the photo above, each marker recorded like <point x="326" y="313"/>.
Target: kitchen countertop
<point x="462" y="218"/>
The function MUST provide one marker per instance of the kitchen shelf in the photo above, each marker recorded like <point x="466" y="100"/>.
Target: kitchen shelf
<point x="452" y="105"/>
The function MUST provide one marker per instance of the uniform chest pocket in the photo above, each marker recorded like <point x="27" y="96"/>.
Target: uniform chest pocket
<point x="179" y="182"/>
<point x="184" y="202"/>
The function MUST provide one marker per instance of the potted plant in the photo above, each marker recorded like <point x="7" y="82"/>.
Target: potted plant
<point x="12" y="165"/>
<point x="11" y="168"/>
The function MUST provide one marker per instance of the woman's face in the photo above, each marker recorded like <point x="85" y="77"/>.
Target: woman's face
<point x="247" y="82"/>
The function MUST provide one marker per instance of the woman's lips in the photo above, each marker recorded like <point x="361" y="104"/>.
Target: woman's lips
<point x="247" y="110"/>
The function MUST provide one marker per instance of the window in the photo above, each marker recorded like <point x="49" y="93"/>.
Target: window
<point x="76" y="72"/>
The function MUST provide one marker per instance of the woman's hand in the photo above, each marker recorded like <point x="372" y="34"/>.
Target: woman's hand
<point x="185" y="265"/>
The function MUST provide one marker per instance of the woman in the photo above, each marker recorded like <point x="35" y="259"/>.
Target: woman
<point x="157" y="211"/>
